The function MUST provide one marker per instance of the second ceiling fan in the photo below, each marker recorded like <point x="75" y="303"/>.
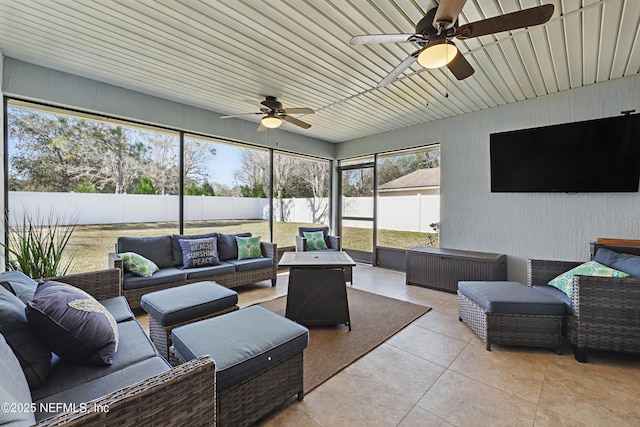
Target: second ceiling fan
<point x="274" y="114"/>
<point x="436" y="30"/>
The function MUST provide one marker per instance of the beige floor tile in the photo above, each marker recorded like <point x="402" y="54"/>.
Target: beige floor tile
<point x="429" y="345"/>
<point x="425" y="296"/>
<point x="351" y="400"/>
<point x="514" y="370"/>
<point x="419" y="417"/>
<point x="293" y="416"/>
<point x="595" y="393"/>
<point x="445" y="324"/>
<point x="547" y="418"/>
<point x="463" y="401"/>
<point x="407" y="375"/>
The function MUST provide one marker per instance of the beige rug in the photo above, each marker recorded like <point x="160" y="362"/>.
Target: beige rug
<point x="374" y="319"/>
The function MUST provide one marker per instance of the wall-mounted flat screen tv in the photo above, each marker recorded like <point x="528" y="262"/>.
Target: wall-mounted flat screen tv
<point x="592" y="156"/>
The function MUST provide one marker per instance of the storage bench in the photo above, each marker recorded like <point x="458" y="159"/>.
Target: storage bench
<point x="173" y="307"/>
<point x="258" y="357"/>
<point x="510" y="313"/>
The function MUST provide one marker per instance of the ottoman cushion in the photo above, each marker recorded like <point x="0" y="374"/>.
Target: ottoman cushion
<point x="243" y="343"/>
<point x="175" y="305"/>
<point x="511" y="298"/>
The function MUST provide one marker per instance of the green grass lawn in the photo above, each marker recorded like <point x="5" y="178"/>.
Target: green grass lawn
<point x="92" y="243"/>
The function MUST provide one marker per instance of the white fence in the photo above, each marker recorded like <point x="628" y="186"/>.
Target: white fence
<point x="406" y="213"/>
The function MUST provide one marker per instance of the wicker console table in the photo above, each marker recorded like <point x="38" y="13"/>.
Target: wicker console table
<point x="442" y="269"/>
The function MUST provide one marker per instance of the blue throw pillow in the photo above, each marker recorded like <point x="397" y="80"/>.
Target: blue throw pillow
<point x="72" y="324"/>
<point x="199" y="252"/>
<point x="630" y="264"/>
<point x="19" y="284"/>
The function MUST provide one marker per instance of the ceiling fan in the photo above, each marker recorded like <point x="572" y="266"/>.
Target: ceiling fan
<point x="436" y="30"/>
<point x="274" y="114"/>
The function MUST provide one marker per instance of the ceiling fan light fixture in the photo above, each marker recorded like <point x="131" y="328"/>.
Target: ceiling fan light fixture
<point x="437" y="54"/>
<point x="271" y="121"/>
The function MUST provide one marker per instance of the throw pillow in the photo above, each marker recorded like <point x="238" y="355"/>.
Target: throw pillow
<point x="315" y="241"/>
<point x="34" y="357"/>
<point x="72" y="324"/>
<point x="137" y="264"/>
<point x="249" y="247"/>
<point x="199" y="252"/>
<point x="564" y="281"/>
<point x="14" y="390"/>
<point x="624" y="262"/>
<point x="19" y="284"/>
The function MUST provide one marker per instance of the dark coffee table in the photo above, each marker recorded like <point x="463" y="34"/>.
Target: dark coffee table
<point x="317" y="292"/>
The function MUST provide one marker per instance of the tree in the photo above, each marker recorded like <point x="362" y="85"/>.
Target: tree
<point x="193" y="189"/>
<point x="145" y="186"/>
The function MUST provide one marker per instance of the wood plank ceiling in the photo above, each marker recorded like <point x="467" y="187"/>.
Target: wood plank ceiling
<point x="225" y="55"/>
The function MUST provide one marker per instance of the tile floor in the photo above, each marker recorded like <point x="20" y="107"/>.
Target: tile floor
<point x="436" y="372"/>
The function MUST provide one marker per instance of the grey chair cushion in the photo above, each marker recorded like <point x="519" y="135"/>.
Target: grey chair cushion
<point x="119" y="308"/>
<point x="13" y="388"/>
<point x="176" y="250"/>
<point x="162" y="277"/>
<point x="252" y="263"/>
<point x="109" y="383"/>
<point x="243" y="343"/>
<point x="325" y="232"/>
<point x="627" y="263"/>
<point x="32" y="354"/>
<point x="557" y="294"/>
<point x="135" y="346"/>
<point x="157" y="249"/>
<point x="227" y="245"/>
<point x="175" y="305"/>
<point x="511" y="298"/>
<point x="212" y="271"/>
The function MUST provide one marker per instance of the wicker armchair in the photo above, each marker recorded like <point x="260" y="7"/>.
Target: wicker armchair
<point x="605" y="312"/>
<point x="334" y="243"/>
<point x="181" y="396"/>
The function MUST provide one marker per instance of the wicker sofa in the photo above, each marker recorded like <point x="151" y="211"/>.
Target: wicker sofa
<point x="166" y="253"/>
<point x="604" y="312"/>
<point x="139" y="388"/>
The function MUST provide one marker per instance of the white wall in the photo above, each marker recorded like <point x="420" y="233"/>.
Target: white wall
<point x="532" y="225"/>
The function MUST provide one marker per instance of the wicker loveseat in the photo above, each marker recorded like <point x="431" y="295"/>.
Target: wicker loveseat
<point x="166" y="253"/>
<point x="604" y="312"/>
<point x="139" y="388"/>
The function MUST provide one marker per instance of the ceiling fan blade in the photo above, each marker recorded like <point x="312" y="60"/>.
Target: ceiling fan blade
<point x="395" y="73"/>
<point x="298" y="111"/>
<point x="380" y="38"/>
<point x="460" y="67"/>
<point x="295" y="121"/>
<point x="238" y="115"/>
<point x="447" y="13"/>
<point x="523" y="18"/>
<point x="262" y="128"/>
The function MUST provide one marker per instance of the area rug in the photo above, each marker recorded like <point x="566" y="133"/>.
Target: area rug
<point x="374" y="319"/>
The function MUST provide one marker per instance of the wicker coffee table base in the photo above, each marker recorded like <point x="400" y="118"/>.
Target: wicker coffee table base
<point x="511" y="329"/>
<point x="249" y="401"/>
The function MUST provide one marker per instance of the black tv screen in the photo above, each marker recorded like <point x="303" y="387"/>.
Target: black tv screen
<point x="592" y="156"/>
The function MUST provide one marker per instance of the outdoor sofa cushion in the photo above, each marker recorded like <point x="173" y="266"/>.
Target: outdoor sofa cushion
<point x="14" y="388"/>
<point x="210" y="272"/>
<point x="157" y="249"/>
<point x="627" y="263"/>
<point x="557" y="294"/>
<point x="162" y="277"/>
<point x="118" y="308"/>
<point x="251" y="263"/>
<point x="227" y="245"/>
<point x="19" y="284"/>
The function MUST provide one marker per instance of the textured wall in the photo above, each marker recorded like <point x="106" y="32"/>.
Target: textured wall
<point x="532" y="225"/>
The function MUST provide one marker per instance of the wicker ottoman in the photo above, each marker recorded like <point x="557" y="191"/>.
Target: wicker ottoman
<point x="510" y="313"/>
<point x="258" y="357"/>
<point x="185" y="304"/>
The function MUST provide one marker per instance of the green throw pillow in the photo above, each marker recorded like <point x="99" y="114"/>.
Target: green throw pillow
<point x="249" y="247"/>
<point x="137" y="264"/>
<point x="564" y="282"/>
<point x="315" y="240"/>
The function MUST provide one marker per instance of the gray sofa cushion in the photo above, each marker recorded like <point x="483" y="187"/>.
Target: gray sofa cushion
<point x="119" y="308"/>
<point x="227" y="245"/>
<point x="13" y="389"/>
<point x="162" y="277"/>
<point x="111" y="382"/>
<point x="243" y="343"/>
<point x="212" y="271"/>
<point x="557" y="294"/>
<point x="177" y="250"/>
<point x="626" y="263"/>
<point x="157" y="249"/>
<point x="252" y="263"/>
<point x="19" y="284"/>
<point x="175" y="305"/>
<point x="134" y="347"/>
<point x="511" y="298"/>
<point x="33" y="356"/>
